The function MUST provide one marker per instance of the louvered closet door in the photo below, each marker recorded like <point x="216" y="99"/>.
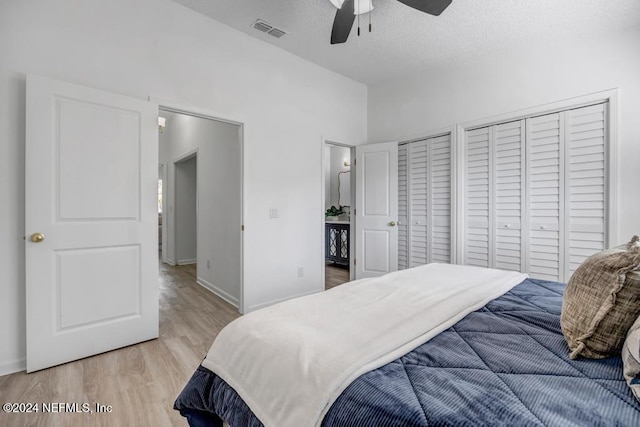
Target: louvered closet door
<point x="535" y="193"/>
<point x="478" y="247"/>
<point x="418" y="194"/>
<point x="494" y="196"/>
<point x="403" y="216"/>
<point x="425" y="201"/>
<point x="439" y="184"/>
<point x="509" y="198"/>
<point x="567" y="190"/>
<point x="546" y="196"/>
<point x="585" y="164"/>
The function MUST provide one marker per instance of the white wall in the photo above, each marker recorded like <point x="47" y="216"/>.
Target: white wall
<point x="185" y="210"/>
<point x="160" y="49"/>
<point x="508" y="81"/>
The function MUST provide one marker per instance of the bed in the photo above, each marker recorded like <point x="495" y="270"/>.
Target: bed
<point x="504" y="362"/>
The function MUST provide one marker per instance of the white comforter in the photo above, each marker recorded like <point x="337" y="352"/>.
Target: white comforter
<point x="289" y="362"/>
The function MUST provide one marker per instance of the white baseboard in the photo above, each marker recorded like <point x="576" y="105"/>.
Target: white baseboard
<point x="12" y="367"/>
<point x="275" y="301"/>
<point x="219" y="292"/>
<point x="186" y="261"/>
<point x="171" y="262"/>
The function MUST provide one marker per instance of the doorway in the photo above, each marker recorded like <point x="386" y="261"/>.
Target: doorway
<point x="338" y="250"/>
<point x="202" y="197"/>
<point x="186" y="210"/>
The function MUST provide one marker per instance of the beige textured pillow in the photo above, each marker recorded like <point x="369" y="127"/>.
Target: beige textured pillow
<point x="601" y="302"/>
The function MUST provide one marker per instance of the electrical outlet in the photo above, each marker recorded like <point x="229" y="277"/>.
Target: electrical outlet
<point x="273" y="213"/>
<point x="300" y="272"/>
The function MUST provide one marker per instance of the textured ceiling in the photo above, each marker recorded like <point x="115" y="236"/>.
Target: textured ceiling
<point x="405" y="41"/>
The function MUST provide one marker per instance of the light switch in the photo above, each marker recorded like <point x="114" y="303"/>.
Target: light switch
<point x="273" y="213"/>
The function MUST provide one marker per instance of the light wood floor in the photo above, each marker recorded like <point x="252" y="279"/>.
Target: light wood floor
<point x="140" y="382"/>
<point x="334" y="276"/>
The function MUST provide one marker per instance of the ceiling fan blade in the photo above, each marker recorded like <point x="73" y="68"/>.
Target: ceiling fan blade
<point x="343" y="22"/>
<point x="432" y="7"/>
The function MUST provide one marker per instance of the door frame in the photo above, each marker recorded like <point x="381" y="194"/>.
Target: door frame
<point x="352" y="220"/>
<point x="164" y="241"/>
<point x="191" y="154"/>
<point x="194" y="111"/>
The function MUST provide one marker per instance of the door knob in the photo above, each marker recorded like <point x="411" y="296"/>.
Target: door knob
<point x="37" y="237"/>
<point x="392" y="223"/>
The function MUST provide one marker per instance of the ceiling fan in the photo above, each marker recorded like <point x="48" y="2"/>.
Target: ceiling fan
<point x="348" y="9"/>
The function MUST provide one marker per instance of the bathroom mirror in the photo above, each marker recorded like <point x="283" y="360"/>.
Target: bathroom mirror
<point x="344" y="188"/>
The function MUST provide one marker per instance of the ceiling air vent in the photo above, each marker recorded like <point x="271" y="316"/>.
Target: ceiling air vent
<point x="268" y="28"/>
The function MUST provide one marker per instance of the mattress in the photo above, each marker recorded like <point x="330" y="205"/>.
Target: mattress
<point x="504" y="364"/>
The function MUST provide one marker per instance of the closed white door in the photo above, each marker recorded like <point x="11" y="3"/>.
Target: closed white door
<point x="568" y="187"/>
<point x="403" y="206"/>
<point x="439" y="221"/>
<point x="424" y="202"/>
<point x="509" y="195"/>
<point x="478" y="197"/>
<point x="91" y="222"/>
<point x="418" y="171"/>
<point x="585" y="183"/>
<point x="376" y="209"/>
<point x="536" y="192"/>
<point x="546" y="195"/>
<point x="495" y="196"/>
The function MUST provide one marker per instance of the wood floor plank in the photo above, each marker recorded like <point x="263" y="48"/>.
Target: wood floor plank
<point x="335" y="275"/>
<point x="140" y="382"/>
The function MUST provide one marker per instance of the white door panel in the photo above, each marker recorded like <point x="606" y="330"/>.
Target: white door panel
<point x="509" y="194"/>
<point x="91" y="188"/>
<point x="376" y="209"/>
<point x="424" y="186"/>
<point x="545" y="180"/>
<point x="479" y="193"/>
<point x="376" y="257"/>
<point x="403" y="207"/>
<point x="585" y="183"/>
<point x="536" y="192"/>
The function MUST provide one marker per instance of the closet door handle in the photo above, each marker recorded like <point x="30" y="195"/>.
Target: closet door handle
<point x="392" y="223"/>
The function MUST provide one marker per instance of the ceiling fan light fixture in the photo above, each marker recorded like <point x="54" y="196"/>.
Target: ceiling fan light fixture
<point x="362" y="6"/>
<point x="359" y="6"/>
<point x="349" y="10"/>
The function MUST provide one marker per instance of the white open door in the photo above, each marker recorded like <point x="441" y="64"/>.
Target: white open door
<point x="376" y="209"/>
<point x="91" y="222"/>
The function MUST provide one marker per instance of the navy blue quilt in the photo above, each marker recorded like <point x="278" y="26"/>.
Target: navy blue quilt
<point x="505" y="364"/>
